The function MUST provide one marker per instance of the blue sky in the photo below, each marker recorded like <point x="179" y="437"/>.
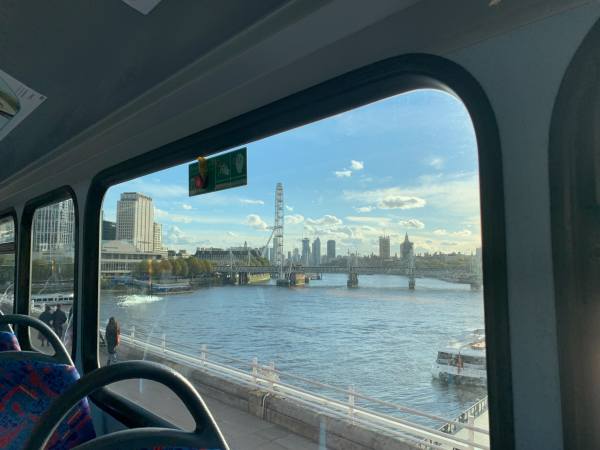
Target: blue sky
<point x="404" y="164"/>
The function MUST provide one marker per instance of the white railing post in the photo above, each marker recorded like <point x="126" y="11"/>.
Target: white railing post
<point x="272" y="374"/>
<point x="255" y="370"/>
<point x="203" y="354"/>
<point x="351" y="393"/>
<point x="164" y="342"/>
<point x="132" y="332"/>
<point x="471" y="434"/>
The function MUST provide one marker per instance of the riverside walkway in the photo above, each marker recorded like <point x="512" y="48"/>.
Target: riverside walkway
<point x="242" y="431"/>
<point x="261" y="407"/>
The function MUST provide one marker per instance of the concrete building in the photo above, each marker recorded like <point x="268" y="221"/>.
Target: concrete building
<point x="316" y="252"/>
<point x="305" y="251"/>
<point x="135" y="220"/>
<point x="53" y="229"/>
<point x="384" y="247"/>
<point x="330" y="250"/>
<point x="157" y="233"/>
<point x="296" y="255"/>
<point x="122" y="257"/>
<point x="109" y="230"/>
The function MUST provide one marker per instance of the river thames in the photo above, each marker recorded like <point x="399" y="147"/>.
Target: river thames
<point x="382" y="338"/>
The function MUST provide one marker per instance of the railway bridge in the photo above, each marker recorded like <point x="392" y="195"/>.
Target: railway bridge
<point x="241" y="272"/>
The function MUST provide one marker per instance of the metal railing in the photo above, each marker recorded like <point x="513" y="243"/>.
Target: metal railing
<point x="349" y="404"/>
<point x="474" y="411"/>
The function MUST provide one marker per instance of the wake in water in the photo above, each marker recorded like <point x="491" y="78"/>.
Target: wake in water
<point x="137" y="299"/>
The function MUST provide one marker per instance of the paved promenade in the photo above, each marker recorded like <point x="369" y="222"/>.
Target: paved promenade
<point x="241" y="430"/>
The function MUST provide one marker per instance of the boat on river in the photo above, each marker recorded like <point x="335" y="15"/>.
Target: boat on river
<point x="463" y="361"/>
<point x="58" y="298"/>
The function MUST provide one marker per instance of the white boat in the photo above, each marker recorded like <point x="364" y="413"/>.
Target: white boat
<point x="59" y="298"/>
<point x="462" y="361"/>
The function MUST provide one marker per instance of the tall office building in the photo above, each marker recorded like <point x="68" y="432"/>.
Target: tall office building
<point x="305" y="251"/>
<point x="135" y="220"/>
<point x="316" y="252"/>
<point x="384" y="247"/>
<point x="109" y="230"/>
<point x="330" y="250"/>
<point x="296" y="255"/>
<point x="53" y="229"/>
<point x="157" y="233"/>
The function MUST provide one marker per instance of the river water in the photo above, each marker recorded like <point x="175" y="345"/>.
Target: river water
<point x="381" y="338"/>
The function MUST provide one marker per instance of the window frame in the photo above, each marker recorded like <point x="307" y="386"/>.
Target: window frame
<point x="370" y="83"/>
<point x="5" y="248"/>
<point x="23" y="292"/>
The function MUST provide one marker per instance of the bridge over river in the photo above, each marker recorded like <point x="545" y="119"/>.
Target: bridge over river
<point x="471" y="277"/>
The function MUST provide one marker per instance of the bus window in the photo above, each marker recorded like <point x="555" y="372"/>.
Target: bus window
<point x="7" y="264"/>
<point x="52" y="270"/>
<point x="349" y="266"/>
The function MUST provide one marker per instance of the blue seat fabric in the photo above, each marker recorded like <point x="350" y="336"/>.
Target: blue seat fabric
<point x="8" y="342"/>
<point x="27" y="388"/>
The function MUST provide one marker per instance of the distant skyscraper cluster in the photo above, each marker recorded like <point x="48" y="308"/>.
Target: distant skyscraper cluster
<point x="305" y="251"/>
<point x="53" y="229"/>
<point x="330" y="250"/>
<point x="316" y="252"/>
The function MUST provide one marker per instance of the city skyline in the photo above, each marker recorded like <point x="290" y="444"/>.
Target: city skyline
<point x="336" y="188"/>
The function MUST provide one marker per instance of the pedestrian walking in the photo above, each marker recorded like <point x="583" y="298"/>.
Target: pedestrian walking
<point x="112" y="336"/>
<point x="59" y="318"/>
<point x="46" y="317"/>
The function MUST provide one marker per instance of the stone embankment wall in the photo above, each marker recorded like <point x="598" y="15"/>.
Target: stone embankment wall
<point x="341" y="434"/>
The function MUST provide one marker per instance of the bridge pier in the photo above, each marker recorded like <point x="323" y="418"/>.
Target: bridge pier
<point x="412" y="283"/>
<point x="352" y="280"/>
<point x="243" y="278"/>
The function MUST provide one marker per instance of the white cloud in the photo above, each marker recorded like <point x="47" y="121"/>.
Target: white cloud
<point x="401" y="202"/>
<point x="357" y="165"/>
<point x="256" y="222"/>
<point x="437" y="163"/>
<point x="247" y="201"/>
<point x="289" y="208"/>
<point x="186" y="206"/>
<point x="293" y="219"/>
<point x="364" y="209"/>
<point x="412" y="223"/>
<point x="368" y="219"/>
<point x="462" y="233"/>
<point x="166" y="216"/>
<point x="326" y="220"/>
<point x="232" y="234"/>
<point x="444" y="232"/>
<point x="343" y="173"/>
<point x="176" y="236"/>
<point x="455" y="196"/>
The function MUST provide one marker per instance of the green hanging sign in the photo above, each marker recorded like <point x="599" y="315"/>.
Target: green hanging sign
<point x="220" y="172"/>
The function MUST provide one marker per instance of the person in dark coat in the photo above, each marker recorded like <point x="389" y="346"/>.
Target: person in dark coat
<point x="59" y="318"/>
<point x="112" y="335"/>
<point x="45" y="317"/>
